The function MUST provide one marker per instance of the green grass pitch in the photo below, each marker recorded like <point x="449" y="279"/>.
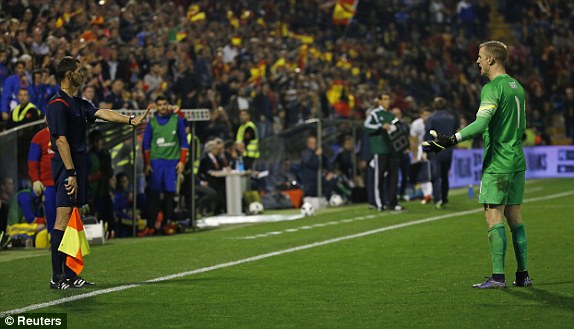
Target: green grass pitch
<point x="347" y="267"/>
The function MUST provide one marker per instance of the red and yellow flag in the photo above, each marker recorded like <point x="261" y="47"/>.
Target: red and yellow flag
<point x="74" y="243"/>
<point x="344" y="11"/>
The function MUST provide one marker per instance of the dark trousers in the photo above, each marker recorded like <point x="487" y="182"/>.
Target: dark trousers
<point x="156" y="203"/>
<point x="404" y="163"/>
<point x="386" y="180"/>
<point x="440" y="166"/>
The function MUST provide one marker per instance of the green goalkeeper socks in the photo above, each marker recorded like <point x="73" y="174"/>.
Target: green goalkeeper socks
<point x="520" y="244"/>
<point x="497" y="240"/>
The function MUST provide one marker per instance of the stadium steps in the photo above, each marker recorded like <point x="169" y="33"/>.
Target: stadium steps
<point x="498" y="28"/>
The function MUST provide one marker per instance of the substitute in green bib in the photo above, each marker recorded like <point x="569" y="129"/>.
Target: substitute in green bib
<point x="165" y="154"/>
<point x="501" y="120"/>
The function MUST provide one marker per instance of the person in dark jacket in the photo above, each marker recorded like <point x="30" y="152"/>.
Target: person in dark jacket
<point x="312" y="159"/>
<point x="444" y="123"/>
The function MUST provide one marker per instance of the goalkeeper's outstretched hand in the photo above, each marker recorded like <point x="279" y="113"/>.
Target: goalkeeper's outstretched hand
<point x="439" y="143"/>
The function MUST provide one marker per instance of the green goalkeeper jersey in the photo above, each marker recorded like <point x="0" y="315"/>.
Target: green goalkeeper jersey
<point x="502" y="104"/>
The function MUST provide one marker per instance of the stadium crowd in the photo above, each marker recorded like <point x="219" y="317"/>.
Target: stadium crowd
<point x="286" y="58"/>
<point x="286" y="61"/>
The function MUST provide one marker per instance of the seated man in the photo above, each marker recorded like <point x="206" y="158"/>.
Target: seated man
<point x="27" y="207"/>
<point x="211" y="185"/>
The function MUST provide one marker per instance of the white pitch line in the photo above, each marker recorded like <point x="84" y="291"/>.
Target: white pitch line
<point x="308" y="227"/>
<point x="258" y="257"/>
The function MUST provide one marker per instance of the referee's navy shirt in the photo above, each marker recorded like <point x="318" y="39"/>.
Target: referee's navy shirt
<point x="68" y="116"/>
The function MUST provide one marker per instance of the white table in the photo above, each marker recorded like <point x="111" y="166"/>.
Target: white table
<point x="235" y="184"/>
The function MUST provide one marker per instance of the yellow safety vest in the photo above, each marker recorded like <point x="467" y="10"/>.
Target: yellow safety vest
<point x="251" y="150"/>
<point x="19" y="113"/>
<point x="197" y="152"/>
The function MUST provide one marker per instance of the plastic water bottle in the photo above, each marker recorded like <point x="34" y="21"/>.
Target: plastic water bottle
<point x="470" y="191"/>
<point x="239" y="165"/>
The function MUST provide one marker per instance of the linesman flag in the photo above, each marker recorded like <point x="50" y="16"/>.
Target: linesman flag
<point x="344" y="11"/>
<point x="74" y="243"/>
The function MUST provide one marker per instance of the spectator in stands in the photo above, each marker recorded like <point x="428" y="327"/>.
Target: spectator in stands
<point x="165" y="149"/>
<point x="238" y="103"/>
<point x="39" y="91"/>
<point x="153" y="79"/>
<point x="40" y="174"/>
<point x="25" y="111"/>
<point x="444" y="123"/>
<point x="10" y="89"/>
<point x="3" y="65"/>
<point x="115" y="97"/>
<point x="219" y="125"/>
<point x="89" y="94"/>
<point x="186" y="86"/>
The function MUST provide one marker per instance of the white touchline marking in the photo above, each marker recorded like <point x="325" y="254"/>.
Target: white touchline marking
<point x="308" y="227"/>
<point x="258" y="257"/>
<point x="342" y="221"/>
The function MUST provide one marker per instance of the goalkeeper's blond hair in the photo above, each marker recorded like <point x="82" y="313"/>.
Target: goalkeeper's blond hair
<point x="496" y="50"/>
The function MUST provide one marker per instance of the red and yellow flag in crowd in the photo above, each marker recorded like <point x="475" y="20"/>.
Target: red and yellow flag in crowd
<point x="65" y="18"/>
<point x="74" y="243"/>
<point x="344" y="11"/>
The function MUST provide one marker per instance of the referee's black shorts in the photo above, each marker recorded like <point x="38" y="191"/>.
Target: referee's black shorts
<point x="59" y="174"/>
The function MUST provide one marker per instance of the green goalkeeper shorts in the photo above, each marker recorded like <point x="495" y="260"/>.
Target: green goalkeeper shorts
<point x="502" y="189"/>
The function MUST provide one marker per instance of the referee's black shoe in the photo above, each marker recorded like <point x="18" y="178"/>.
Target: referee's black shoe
<point x="62" y="284"/>
<point x="79" y="282"/>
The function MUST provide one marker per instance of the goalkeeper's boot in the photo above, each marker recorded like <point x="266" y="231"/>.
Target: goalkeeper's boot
<point x="60" y="284"/>
<point x="490" y="283"/>
<point x="522" y="280"/>
<point x="79" y="282"/>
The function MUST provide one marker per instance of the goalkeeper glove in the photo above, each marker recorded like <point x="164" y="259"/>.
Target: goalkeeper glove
<point x="439" y="143"/>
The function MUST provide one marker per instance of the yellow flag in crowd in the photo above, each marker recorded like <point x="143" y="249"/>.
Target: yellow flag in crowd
<point x="344" y="11"/>
<point x="74" y="243"/>
<point x="194" y="13"/>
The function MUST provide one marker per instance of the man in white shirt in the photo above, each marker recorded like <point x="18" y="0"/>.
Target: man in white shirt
<point x="417" y="135"/>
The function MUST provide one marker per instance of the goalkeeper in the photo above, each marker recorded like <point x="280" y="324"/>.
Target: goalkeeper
<point x="501" y="121"/>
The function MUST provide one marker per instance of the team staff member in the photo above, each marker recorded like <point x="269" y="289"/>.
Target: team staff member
<point x="40" y="173"/>
<point x="378" y="125"/>
<point x="247" y="139"/>
<point x="501" y="120"/>
<point x="67" y="117"/>
<point x="24" y="112"/>
<point x="417" y="136"/>
<point x="165" y="153"/>
<point x="446" y="124"/>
